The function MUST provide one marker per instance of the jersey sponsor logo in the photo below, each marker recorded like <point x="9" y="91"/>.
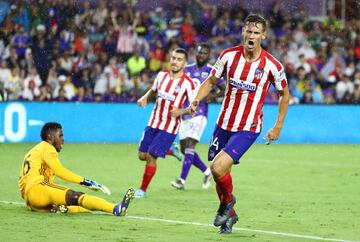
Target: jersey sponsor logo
<point x="258" y="73"/>
<point x="250" y="87"/>
<point x="166" y="96"/>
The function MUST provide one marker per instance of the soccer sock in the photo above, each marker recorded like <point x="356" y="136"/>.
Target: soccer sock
<point x="219" y="193"/>
<point x="199" y="163"/>
<point x="149" y="172"/>
<point x="226" y="187"/>
<point x="169" y="152"/>
<point x="95" y="203"/>
<point x="77" y="209"/>
<point x="188" y="160"/>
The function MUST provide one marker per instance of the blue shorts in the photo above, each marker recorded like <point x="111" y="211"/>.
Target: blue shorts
<point x="234" y="144"/>
<point x="156" y="142"/>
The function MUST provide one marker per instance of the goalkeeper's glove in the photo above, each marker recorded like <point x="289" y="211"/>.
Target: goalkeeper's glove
<point x="93" y="185"/>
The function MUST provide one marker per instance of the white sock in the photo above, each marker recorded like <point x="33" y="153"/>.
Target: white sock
<point x="207" y="172"/>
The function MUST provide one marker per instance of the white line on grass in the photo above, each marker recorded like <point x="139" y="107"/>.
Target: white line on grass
<point x="210" y="225"/>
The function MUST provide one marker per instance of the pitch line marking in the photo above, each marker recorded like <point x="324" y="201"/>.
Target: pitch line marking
<point x="210" y="225"/>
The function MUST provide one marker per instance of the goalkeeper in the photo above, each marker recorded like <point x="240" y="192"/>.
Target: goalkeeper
<point x="36" y="182"/>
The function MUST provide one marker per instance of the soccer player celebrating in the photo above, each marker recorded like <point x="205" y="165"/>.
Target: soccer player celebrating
<point x="173" y="88"/>
<point x="191" y="128"/>
<point x="249" y="70"/>
<point x="36" y="182"/>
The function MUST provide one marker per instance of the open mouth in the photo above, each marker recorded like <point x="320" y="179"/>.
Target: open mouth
<point x="251" y="44"/>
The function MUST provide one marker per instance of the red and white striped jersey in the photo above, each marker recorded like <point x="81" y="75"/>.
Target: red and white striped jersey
<point x="246" y="86"/>
<point x="170" y="93"/>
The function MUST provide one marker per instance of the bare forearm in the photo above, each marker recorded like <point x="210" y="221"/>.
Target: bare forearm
<point x="205" y="88"/>
<point x="283" y="107"/>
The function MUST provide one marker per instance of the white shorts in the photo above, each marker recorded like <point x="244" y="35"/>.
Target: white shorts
<point x="192" y="128"/>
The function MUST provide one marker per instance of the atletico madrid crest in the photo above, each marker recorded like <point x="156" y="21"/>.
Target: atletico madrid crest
<point x="258" y="73"/>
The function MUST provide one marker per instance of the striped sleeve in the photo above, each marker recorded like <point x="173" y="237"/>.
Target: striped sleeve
<point x="156" y="81"/>
<point x="278" y="73"/>
<point x="280" y="79"/>
<point x="218" y="68"/>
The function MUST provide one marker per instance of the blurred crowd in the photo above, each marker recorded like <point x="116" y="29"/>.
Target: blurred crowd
<point x="110" y="51"/>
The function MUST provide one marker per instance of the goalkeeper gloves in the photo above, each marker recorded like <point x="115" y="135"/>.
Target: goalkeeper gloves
<point x="93" y="185"/>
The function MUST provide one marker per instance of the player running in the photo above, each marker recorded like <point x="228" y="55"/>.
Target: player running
<point x="191" y="128"/>
<point x="173" y="88"/>
<point x="36" y="182"/>
<point x="249" y="70"/>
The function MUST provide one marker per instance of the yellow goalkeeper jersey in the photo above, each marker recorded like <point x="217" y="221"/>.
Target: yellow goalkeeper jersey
<point x="41" y="164"/>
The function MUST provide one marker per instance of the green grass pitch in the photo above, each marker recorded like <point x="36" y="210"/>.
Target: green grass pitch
<point x="305" y="190"/>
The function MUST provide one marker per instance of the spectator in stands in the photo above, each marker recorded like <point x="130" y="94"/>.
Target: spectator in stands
<point x="20" y="41"/>
<point x="344" y="88"/>
<point x="13" y="85"/>
<point x="188" y="30"/>
<point x="156" y="56"/>
<point x="105" y="82"/>
<point x="136" y="63"/>
<point x="56" y="28"/>
<point x="126" y="35"/>
<point x="32" y="85"/>
<point x="45" y="94"/>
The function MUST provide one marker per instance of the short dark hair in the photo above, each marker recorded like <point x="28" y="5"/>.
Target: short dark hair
<point x="48" y="128"/>
<point x="256" y="18"/>
<point x="204" y="45"/>
<point x="182" y="51"/>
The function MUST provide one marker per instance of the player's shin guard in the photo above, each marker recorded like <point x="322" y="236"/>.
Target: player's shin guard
<point x="226" y="187"/>
<point x="149" y="173"/>
<point x="188" y="160"/>
<point x="199" y="163"/>
<point x="95" y="204"/>
<point x="219" y="193"/>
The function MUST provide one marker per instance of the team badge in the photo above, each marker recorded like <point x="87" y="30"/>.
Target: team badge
<point x="177" y="88"/>
<point x="204" y="75"/>
<point x="258" y="73"/>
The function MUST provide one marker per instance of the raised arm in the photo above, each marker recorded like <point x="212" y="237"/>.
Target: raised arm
<point x="274" y="132"/>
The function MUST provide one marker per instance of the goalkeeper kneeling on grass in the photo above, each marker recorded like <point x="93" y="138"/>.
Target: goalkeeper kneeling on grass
<point x="36" y="182"/>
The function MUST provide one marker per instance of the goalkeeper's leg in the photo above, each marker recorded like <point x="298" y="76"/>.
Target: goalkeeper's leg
<point x="44" y="196"/>
<point x="88" y="202"/>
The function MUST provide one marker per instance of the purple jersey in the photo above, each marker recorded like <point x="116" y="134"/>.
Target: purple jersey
<point x="198" y="75"/>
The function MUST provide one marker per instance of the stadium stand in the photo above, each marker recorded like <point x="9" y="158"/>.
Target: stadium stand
<point x="108" y="51"/>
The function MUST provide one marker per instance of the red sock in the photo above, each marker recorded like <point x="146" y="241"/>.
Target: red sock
<point x="226" y="187"/>
<point x="220" y="198"/>
<point x="149" y="172"/>
<point x="219" y="193"/>
<point x="169" y="152"/>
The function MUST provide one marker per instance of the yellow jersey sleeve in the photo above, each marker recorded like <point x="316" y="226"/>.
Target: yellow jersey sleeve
<point x="50" y="156"/>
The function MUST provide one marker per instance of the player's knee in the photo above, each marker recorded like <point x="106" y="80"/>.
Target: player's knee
<point x="191" y="143"/>
<point x="72" y="197"/>
<point x="182" y="149"/>
<point x="216" y="170"/>
<point x="142" y="156"/>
